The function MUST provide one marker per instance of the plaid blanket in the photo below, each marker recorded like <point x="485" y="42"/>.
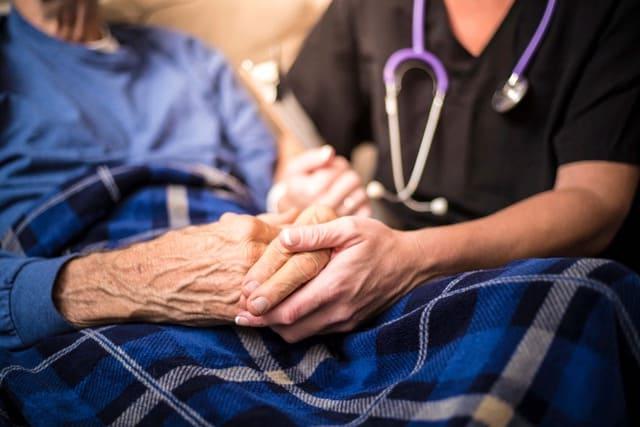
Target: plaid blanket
<point x="112" y="207"/>
<point x="540" y="342"/>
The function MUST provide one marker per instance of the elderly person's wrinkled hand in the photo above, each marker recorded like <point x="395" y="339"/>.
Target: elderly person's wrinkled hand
<point x="191" y="276"/>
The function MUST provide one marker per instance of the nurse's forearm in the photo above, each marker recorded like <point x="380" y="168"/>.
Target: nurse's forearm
<point x="559" y="223"/>
<point x="579" y="218"/>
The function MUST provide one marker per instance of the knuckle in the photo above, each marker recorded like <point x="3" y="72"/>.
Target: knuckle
<point x="296" y="190"/>
<point x="341" y="162"/>
<point x="228" y="217"/>
<point x="323" y="214"/>
<point x="307" y="265"/>
<point x="247" y="227"/>
<point x="349" y="225"/>
<point x="289" y="316"/>
<point x="283" y="252"/>
<point x="318" y="183"/>
<point x="360" y="193"/>
<point x="352" y="177"/>
<point x="315" y="237"/>
<point x="347" y="327"/>
<point x="253" y="251"/>
<point x="289" y="337"/>
<point x="343" y="315"/>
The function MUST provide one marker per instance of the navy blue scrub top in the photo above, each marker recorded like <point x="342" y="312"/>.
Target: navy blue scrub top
<point x="584" y="101"/>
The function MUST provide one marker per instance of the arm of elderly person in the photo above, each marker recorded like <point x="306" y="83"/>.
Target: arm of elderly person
<point x="372" y="266"/>
<point x="190" y="276"/>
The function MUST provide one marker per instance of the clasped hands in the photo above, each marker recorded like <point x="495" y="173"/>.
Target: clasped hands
<point x="320" y="177"/>
<point x="325" y="275"/>
<point x="311" y="278"/>
<point x="318" y="275"/>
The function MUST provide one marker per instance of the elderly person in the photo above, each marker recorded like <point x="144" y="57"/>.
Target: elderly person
<point x="160" y="120"/>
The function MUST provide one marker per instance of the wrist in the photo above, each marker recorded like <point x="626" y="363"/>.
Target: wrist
<point x="85" y="293"/>
<point x="422" y="257"/>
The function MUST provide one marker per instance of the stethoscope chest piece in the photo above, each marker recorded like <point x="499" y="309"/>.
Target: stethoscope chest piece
<point x="511" y="94"/>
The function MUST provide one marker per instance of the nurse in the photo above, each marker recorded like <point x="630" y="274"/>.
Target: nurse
<point x="556" y="175"/>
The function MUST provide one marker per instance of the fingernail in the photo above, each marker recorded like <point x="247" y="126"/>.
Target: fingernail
<point x="290" y="239"/>
<point x="327" y="151"/>
<point x="260" y="305"/>
<point x="251" y="286"/>
<point x="242" y="321"/>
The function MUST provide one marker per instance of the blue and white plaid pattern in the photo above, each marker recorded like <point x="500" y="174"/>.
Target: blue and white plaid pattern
<point x="111" y="207"/>
<point x="541" y="342"/>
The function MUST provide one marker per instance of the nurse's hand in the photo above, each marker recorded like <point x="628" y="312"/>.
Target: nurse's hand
<point x="279" y="272"/>
<point x="319" y="177"/>
<point x="371" y="267"/>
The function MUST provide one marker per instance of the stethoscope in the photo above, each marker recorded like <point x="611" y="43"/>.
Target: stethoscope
<point x="505" y="99"/>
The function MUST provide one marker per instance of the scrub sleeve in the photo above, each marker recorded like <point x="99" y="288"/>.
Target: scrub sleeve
<point x="327" y="83"/>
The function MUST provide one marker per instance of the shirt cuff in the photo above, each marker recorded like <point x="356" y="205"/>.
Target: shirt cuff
<point x="34" y="314"/>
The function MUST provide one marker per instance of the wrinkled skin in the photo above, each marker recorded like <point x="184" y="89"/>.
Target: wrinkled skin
<point x="191" y="276"/>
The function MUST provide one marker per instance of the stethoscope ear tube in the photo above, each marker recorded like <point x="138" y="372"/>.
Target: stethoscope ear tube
<point x="405" y="191"/>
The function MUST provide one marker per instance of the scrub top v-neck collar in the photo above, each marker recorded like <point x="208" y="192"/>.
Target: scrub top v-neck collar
<point x="442" y="41"/>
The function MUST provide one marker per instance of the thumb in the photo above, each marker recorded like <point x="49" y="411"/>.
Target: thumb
<point x="311" y="160"/>
<point x="317" y="237"/>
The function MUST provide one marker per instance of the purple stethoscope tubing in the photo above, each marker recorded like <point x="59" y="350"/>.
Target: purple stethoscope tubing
<point x="504" y="100"/>
<point x="419" y="53"/>
<point x="536" y="41"/>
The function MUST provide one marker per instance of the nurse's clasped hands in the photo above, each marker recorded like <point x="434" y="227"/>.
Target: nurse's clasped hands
<point x="371" y="267"/>
<point x="320" y="177"/>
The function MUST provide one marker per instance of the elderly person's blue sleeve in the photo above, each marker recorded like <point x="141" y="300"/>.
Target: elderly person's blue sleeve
<point x="246" y="132"/>
<point x="27" y="311"/>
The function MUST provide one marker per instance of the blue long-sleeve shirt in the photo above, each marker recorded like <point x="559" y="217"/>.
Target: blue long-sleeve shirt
<point x="161" y="97"/>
